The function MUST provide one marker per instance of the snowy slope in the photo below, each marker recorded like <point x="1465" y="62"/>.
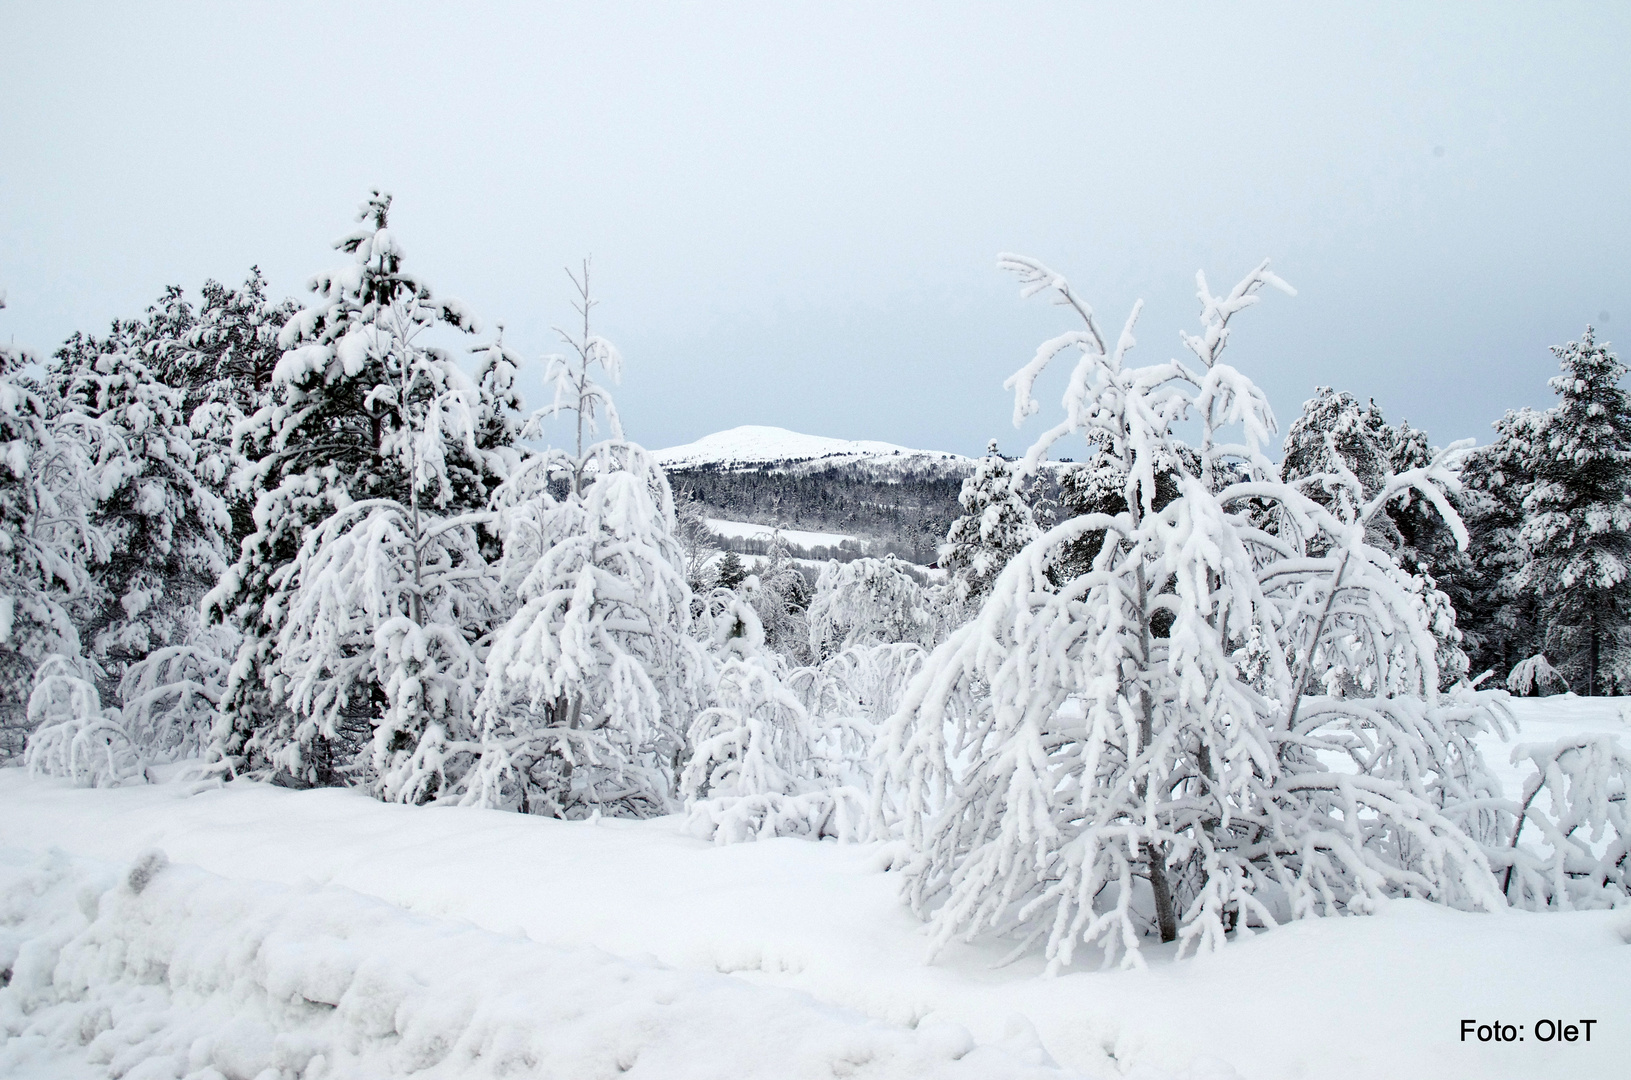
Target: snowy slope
<point x="749" y="530"/>
<point x="1339" y="999"/>
<point x="756" y="447"/>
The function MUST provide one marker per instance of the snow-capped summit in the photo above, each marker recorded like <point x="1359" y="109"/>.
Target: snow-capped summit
<point x="757" y="446"/>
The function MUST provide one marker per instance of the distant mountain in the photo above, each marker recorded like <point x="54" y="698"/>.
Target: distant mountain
<point x="772" y="449"/>
<point x="887" y="497"/>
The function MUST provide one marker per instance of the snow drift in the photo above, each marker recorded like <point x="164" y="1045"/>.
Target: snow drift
<point x="165" y="971"/>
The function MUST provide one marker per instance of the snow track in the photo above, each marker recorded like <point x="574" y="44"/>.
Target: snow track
<point x="160" y="971"/>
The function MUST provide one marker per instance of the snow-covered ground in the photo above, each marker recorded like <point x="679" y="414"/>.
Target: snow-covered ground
<point x="324" y="931"/>
<point x="755" y="445"/>
<point x="796" y="537"/>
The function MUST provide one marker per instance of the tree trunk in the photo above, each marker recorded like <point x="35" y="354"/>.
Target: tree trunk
<point x="1165" y="917"/>
<point x="1155" y="861"/>
<point x="1591" y="668"/>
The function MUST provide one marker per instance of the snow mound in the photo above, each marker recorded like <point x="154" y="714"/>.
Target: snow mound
<point x="756" y="446"/>
<point x="162" y="971"/>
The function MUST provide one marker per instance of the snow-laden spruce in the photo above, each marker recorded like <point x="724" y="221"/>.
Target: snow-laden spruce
<point x="1232" y="718"/>
<point x="997" y="522"/>
<point x="590" y="686"/>
<point x="362" y="591"/>
<point x="1571" y="471"/>
<point x="164" y="527"/>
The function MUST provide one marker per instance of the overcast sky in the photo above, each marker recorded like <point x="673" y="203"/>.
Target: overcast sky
<point x="795" y="209"/>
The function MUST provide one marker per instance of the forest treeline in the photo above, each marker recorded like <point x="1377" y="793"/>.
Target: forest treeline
<point x="907" y="514"/>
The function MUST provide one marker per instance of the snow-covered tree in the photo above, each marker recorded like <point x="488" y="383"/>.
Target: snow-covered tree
<point x="996" y="523"/>
<point x="74" y="735"/>
<point x="49" y="482"/>
<point x="780" y="595"/>
<point x="762" y="765"/>
<point x="869" y="602"/>
<point x="697" y="541"/>
<point x="228" y="348"/>
<point x="169" y="700"/>
<point x="223" y="365"/>
<point x="730" y="572"/>
<point x="1577" y="518"/>
<point x="361" y="591"/>
<point x="591" y="685"/>
<point x="1535" y="675"/>
<point x="1218" y="725"/>
<point x="165" y="527"/>
<point x="1496" y="613"/>
<point x="1338" y="437"/>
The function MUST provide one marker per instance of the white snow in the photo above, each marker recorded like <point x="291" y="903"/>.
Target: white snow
<point x="755" y="445"/>
<point x="748" y="530"/>
<point x="477" y="925"/>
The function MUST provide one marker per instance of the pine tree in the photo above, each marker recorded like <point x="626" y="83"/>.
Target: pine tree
<point x="48" y="537"/>
<point x="223" y="365"/>
<point x="1498" y="613"/>
<point x="166" y="529"/>
<point x="731" y="572"/>
<point x="1577" y="519"/>
<point x="364" y="419"/>
<point x="996" y="523"/>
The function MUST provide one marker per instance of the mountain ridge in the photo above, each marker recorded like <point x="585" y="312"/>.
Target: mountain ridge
<point x="759" y="447"/>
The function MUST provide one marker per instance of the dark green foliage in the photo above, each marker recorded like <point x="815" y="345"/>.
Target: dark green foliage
<point x="731" y="572"/>
<point x="335" y="433"/>
<point x="1574" y="472"/>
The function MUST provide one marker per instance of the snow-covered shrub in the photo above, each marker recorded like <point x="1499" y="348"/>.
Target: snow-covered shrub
<point x="591" y="685"/>
<point x="73" y="735"/>
<point x="169" y="700"/>
<point x="1572" y="848"/>
<point x="1535" y="675"/>
<point x="1230" y="719"/>
<point x="762" y="763"/>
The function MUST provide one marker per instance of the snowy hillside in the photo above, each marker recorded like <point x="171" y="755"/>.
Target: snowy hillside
<point x="758" y="447"/>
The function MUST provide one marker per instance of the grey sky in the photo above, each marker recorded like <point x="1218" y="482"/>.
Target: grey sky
<point x="794" y="209"/>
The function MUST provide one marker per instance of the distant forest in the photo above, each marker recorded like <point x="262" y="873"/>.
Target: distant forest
<point x="906" y="515"/>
